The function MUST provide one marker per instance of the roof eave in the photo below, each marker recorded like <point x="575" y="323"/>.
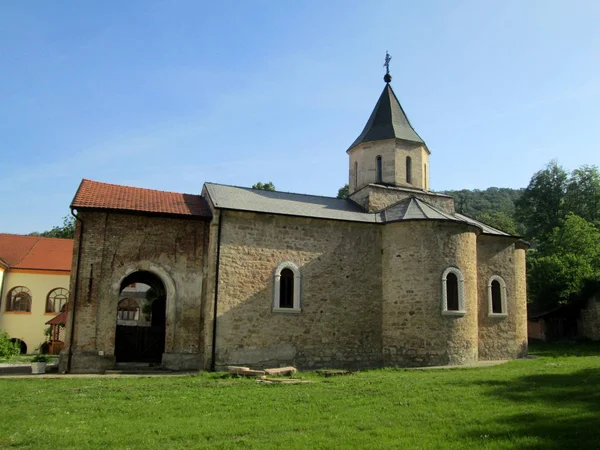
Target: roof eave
<point x="206" y="217"/>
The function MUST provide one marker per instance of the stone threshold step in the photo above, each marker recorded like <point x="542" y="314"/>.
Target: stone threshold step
<point x="148" y="371"/>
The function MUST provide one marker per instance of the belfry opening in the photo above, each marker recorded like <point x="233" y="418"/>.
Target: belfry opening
<point x="141" y="319"/>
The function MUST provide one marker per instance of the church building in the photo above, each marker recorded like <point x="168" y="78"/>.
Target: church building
<point x="391" y="276"/>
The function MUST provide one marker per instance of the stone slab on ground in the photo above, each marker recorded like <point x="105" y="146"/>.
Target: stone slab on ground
<point x="282" y="381"/>
<point x="287" y="371"/>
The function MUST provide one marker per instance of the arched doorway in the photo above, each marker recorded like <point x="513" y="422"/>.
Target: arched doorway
<point x="141" y="319"/>
<point x="22" y="345"/>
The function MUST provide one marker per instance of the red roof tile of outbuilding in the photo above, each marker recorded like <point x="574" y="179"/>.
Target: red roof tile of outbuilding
<point x="35" y="252"/>
<point x="96" y="195"/>
<point x="59" y="319"/>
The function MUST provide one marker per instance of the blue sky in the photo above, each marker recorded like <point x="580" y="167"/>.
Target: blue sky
<point x="170" y="94"/>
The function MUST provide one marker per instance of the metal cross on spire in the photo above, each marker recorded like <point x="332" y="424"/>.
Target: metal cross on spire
<point x="387" y="77"/>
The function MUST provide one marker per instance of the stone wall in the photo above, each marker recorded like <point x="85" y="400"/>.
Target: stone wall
<point x="371" y="295"/>
<point x="502" y="336"/>
<point x="590" y="319"/>
<point x="340" y="264"/>
<point x="115" y="245"/>
<point x="376" y="198"/>
<point x="393" y="154"/>
<point x="415" y="256"/>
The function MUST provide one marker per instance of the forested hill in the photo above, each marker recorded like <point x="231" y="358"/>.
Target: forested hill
<point x="491" y="200"/>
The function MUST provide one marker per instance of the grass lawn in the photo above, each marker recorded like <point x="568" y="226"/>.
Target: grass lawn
<point x="552" y="402"/>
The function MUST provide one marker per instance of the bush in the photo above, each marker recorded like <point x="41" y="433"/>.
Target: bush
<point x="7" y="347"/>
<point x="40" y="359"/>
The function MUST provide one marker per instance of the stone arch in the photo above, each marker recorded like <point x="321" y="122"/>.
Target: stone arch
<point x="461" y="291"/>
<point x="171" y="293"/>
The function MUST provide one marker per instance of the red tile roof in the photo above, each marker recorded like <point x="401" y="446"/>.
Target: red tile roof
<point x="96" y="195"/>
<point x="58" y="320"/>
<point x="34" y="252"/>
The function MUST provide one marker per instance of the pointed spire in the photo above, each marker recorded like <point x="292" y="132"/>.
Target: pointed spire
<point x="387" y="120"/>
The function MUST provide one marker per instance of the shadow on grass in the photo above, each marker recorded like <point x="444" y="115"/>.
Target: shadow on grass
<point x="567" y="348"/>
<point x="569" y="405"/>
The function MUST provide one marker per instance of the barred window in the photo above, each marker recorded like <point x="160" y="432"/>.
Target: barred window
<point x="57" y="299"/>
<point x="18" y="299"/>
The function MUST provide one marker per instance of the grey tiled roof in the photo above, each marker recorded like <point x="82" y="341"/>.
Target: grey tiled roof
<point x="247" y="199"/>
<point x="387" y="121"/>
<point x="413" y="208"/>
<point x="255" y="200"/>
<point x="485" y="228"/>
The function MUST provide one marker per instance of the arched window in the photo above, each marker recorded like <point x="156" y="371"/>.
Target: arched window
<point x="379" y="169"/>
<point x="453" y="292"/>
<point x="408" y="170"/>
<point x="128" y="309"/>
<point x="18" y="299"/>
<point x="286" y="290"/>
<point x="57" y="299"/>
<point x="497" y="301"/>
<point x="425" y="176"/>
<point x="356" y="175"/>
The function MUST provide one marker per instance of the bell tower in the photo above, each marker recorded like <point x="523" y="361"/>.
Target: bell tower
<point x="388" y="152"/>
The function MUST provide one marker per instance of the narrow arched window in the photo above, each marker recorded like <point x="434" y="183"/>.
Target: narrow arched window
<point x="497" y="296"/>
<point x="57" y="300"/>
<point x="453" y="292"/>
<point x="425" y="176"/>
<point x="286" y="290"/>
<point x="18" y="299"/>
<point x="408" y="170"/>
<point x="379" y="169"/>
<point x="356" y="175"/>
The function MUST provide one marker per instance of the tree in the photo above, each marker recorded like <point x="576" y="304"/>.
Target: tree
<point x="8" y="347"/>
<point x="493" y="199"/>
<point x="66" y="231"/>
<point x="264" y="186"/>
<point x="541" y="207"/>
<point x="564" y="263"/>
<point x="344" y="191"/>
<point x="583" y="193"/>
<point x="499" y="220"/>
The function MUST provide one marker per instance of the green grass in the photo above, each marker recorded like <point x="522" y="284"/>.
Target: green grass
<point x="551" y="402"/>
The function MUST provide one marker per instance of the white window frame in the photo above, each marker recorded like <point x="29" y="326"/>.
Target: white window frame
<point x="503" y="297"/>
<point x="277" y="291"/>
<point x="461" y="293"/>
